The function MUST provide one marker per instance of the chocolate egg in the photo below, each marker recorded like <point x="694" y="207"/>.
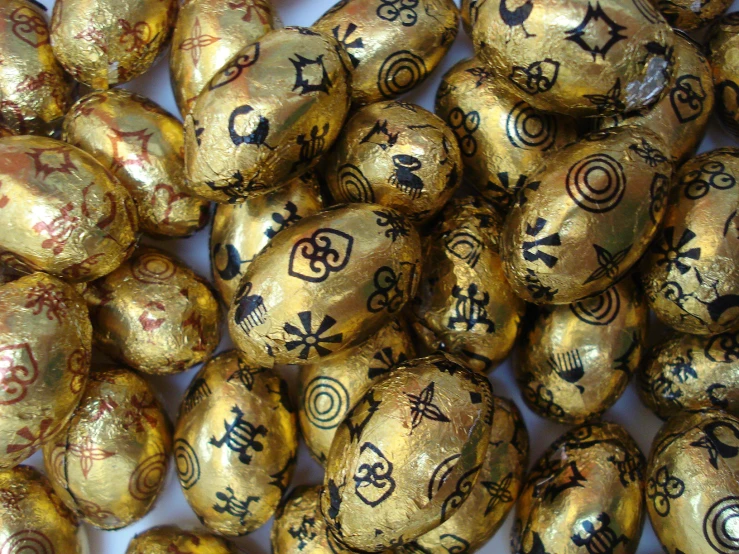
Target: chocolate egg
<point x="45" y="343"/>
<point x="585" y="493"/>
<point x="691" y="271"/>
<point x="408" y="454"/>
<point x="235" y="444"/>
<point x="35" y="91"/>
<point x="168" y="539"/>
<point x="329" y="388"/>
<point x="243" y="138"/>
<point x="61" y="212"/>
<point x="142" y="145"/>
<point x="392" y="45"/>
<point x="154" y="314"/>
<point x="103" y="43"/>
<point x="576" y="360"/>
<point x="722" y="42"/>
<point x="109" y="463"/>
<point x="586" y="215"/>
<point x="328" y="282"/>
<point x="241" y="231"/>
<point x="578" y="58"/>
<point x="690" y="15"/>
<point x="499" y="135"/>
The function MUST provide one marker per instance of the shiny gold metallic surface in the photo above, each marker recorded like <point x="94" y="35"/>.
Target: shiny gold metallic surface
<point x="45" y="343"/>
<point x="393" y="46"/>
<point x="109" y="463"/>
<point x="468" y="11"/>
<point x="168" y="539"/>
<point x="267" y="116"/>
<point x="326" y="283"/>
<point x="576" y="360"/>
<point x="586" y="492"/>
<point x="329" y="388"/>
<point x="6" y="131"/>
<point x="586" y="215"/>
<point x="689" y="14"/>
<point x="691" y="485"/>
<point x="408" y="454"/>
<point x="154" y="314"/>
<point x="500" y="136"/>
<point x="723" y="40"/>
<point x="208" y="33"/>
<point x="103" y="43"/>
<point x="33" y="520"/>
<point x="241" y="231"/>
<point x="691" y="271"/>
<point x="34" y="91"/>
<point x="464" y="304"/>
<point x="142" y="145"/>
<point x="579" y="58"/>
<point x="398" y="155"/>
<point x="60" y="211"/>
<point x="235" y="444"/>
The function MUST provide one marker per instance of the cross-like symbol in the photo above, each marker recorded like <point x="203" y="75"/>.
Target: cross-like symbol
<point x="422" y="406"/>
<point x="550" y="240"/>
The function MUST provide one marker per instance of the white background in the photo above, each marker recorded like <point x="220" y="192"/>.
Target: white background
<point x="172" y="507"/>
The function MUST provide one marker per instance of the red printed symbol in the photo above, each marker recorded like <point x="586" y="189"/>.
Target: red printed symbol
<point x="133" y="140"/>
<point x="139" y="412"/>
<point x="34" y="442"/>
<point x="52" y="160"/>
<point x="105" y="406"/>
<point x="153" y="268"/>
<point x="196" y="322"/>
<point x="94" y="36"/>
<point x="260" y="8"/>
<point x="134" y="37"/>
<point x="18" y="370"/>
<point x="59" y="230"/>
<point x="148" y="321"/>
<point x="27" y="541"/>
<point x="89" y="454"/>
<point x="47" y="297"/>
<point x="78" y="366"/>
<point x="170" y="198"/>
<point x="103" y="222"/>
<point x="29" y="27"/>
<point x="197" y="42"/>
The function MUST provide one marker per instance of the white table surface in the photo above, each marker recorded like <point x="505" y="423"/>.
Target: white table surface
<point x="172" y="507"/>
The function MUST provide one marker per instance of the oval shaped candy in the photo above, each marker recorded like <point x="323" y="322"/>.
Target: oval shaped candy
<point x="689" y="15"/>
<point x="166" y="539"/>
<point x="722" y="42"/>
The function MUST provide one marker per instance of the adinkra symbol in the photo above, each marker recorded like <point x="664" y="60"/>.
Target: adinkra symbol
<point x="380" y="130"/>
<point x="241" y="436"/>
<point x="305" y="532"/>
<point x="596" y="20"/>
<point x="600" y="540"/>
<point x="310" y="74"/>
<point x="257" y="131"/>
<point x="470" y="309"/>
<point x="373" y="481"/>
<point x="532" y="248"/>
<point x="229" y="504"/>
<point x="423" y="407"/>
<point x="315" y="258"/>
<point x="355" y="426"/>
<point x="283" y="221"/>
<point x="569" y="367"/>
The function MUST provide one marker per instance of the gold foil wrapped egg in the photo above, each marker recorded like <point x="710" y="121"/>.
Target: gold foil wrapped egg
<point x="109" y="463"/>
<point x="408" y="454"/>
<point x="60" y="211"/>
<point x="464" y="304"/>
<point x="33" y="520"/>
<point x="103" y="43"/>
<point x="169" y="539"/>
<point x="154" y="314"/>
<point x="585" y="494"/>
<point x="586" y="215"/>
<point x="45" y="343"/>
<point x="499" y="135"/>
<point x="576" y="360"/>
<point x="241" y="231"/>
<point x="329" y="388"/>
<point x="34" y="91"/>
<point x="328" y="282"/>
<point x="690" y="15"/>
<point x="244" y="138"/>
<point x="6" y="131"/>
<point x="208" y="33"/>
<point x="691" y="485"/>
<point x="579" y="58"/>
<point x="723" y="41"/>
<point x="392" y="45"/>
<point x="235" y="444"/>
<point x="398" y="155"/>
<point x="142" y="145"/>
<point x="691" y="271"/>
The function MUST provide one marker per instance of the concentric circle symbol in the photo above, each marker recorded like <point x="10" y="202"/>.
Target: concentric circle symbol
<point x="326" y="402"/>
<point x="353" y="185"/>
<point x="27" y="542"/>
<point x="153" y="268"/>
<point x="721" y="525"/>
<point x="399" y="73"/>
<point x="596" y="183"/>
<point x="531" y="129"/>
<point x="188" y="466"/>
<point x="599" y="310"/>
<point x="148" y="477"/>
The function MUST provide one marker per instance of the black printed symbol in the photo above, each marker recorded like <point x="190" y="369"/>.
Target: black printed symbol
<point x="353" y="185"/>
<point x="482" y="74"/>
<point x="516" y="18"/>
<point x="711" y="174"/>
<point x="452" y="544"/>
<point x="537" y="289"/>
<point x="305" y="532"/>
<point x="307" y="338"/>
<point x="404" y="177"/>
<point x="241" y="436"/>
<point x="502" y="194"/>
<point x="312" y="146"/>
<point x="325" y="402"/>
<point x="499" y="492"/>
<point x="719" y="525"/>
<point x="600" y="310"/>
<point x="315" y="258"/>
<point x="282" y="221"/>
<point x="401" y="10"/>
<point x="233" y="70"/>
<point x="721" y="441"/>
<point x="460" y="493"/>
<point x="662" y="488"/>
<point x="310" y="75"/>
<point x="396" y="226"/>
<point x="385" y="362"/>
<point x="196" y="393"/>
<point x="373" y="481"/>
<point x="715" y="400"/>
<point x="531" y="129"/>
<point x="647" y="9"/>
<point x="198" y="131"/>
<point x="385" y="139"/>
<point x="250" y="310"/>
<point x="663" y="387"/>
<point x="368" y="404"/>
<point x="548" y="260"/>
<point x="399" y="73"/>
<point x="600" y="540"/>
<point x="245" y="375"/>
<point x="281" y="479"/>
<point x="610" y="102"/>
<point x="629" y="468"/>
<point x="728" y="93"/>
<point x="423" y="407"/>
<point x="658" y="190"/>
<point x="687" y="98"/>
<point x="537" y="547"/>
<point x="255" y="132"/>
<point x="390" y="289"/>
<point x="187" y="464"/>
<point x="440" y="474"/>
<point x="652" y="156"/>
<point x="564" y="478"/>
<point x="682" y="367"/>
<point x="470" y="309"/>
<point x="334" y="493"/>
<point x="233" y="261"/>
<point x="568" y="366"/>
<point x="536" y="78"/>
<point x="236" y="188"/>
<point x="234" y="506"/>
<point x="464" y="126"/>
<point x="344" y="40"/>
<point x="674" y="252"/>
<point x="723" y="348"/>
<point x="591" y="30"/>
<point x="608" y="263"/>
<point x="596" y="183"/>
<point x="464" y="245"/>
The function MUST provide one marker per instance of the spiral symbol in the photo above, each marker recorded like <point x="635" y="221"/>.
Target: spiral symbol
<point x="530" y="129"/>
<point x="27" y="542"/>
<point x="600" y="310"/>
<point x="153" y="268"/>
<point x="353" y="185"/>
<point x="188" y="466"/>
<point x="147" y="478"/>
<point x="596" y="183"/>
<point x="326" y="402"/>
<point x="721" y="525"/>
<point x="399" y="73"/>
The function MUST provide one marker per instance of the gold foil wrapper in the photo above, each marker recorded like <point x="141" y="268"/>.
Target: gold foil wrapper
<point x="574" y="57"/>
<point x="142" y="145"/>
<point x="393" y="46"/>
<point x="168" y="539"/>
<point x="691" y="488"/>
<point x="61" y="212"/>
<point x="154" y="314"/>
<point x="722" y="42"/>
<point x="34" y="91"/>
<point x="585" y="492"/>
<point x="691" y="271"/>
<point x="500" y="136"/>
<point x="109" y="463"/>
<point x="103" y="43"/>
<point x="267" y="116"/>
<point x="408" y="454"/>
<point x="329" y="388"/>
<point x="586" y="215"/>
<point x="398" y="155"/>
<point x="33" y="520"/>
<point x="235" y="444"/>
<point x="241" y="231"/>
<point x="208" y="33"/>
<point x="6" y="131"/>
<point x="326" y="283"/>
<point x="576" y="360"/>
<point x="45" y="343"/>
<point x="690" y="15"/>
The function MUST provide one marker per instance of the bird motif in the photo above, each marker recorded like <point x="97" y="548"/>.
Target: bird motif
<point x="516" y="18"/>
